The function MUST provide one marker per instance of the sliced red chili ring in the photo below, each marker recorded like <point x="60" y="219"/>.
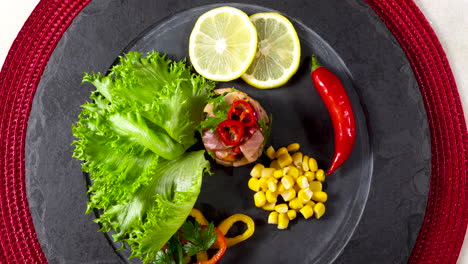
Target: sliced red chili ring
<point x="230" y="131"/>
<point x="242" y="111"/>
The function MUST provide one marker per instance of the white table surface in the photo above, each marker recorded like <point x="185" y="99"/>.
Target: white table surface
<point x="448" y="18"/>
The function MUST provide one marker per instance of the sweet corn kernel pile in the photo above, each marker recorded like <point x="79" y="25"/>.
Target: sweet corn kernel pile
<point x="292" y="184"/>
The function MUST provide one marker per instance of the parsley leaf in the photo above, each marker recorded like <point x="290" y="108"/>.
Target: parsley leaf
<point x="199" y="239"/>
<point x="220" y="110"/>
<point x="266" y="129"/>
<point x="163" y="258"/>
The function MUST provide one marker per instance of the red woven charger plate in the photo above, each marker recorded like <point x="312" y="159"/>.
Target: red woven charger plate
<point x="445" y="222"/>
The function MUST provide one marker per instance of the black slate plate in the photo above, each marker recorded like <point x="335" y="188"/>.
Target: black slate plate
<point x="392" y="146"/>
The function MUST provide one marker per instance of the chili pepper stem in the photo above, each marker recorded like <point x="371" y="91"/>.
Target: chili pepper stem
<point x="315" y="64"/>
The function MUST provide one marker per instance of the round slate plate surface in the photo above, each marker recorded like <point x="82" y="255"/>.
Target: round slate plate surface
<point x="298" y="116"/>
<point x="389" y="167"/>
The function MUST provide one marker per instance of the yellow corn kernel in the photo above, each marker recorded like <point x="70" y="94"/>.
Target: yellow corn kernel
<point x="295" y="203"/>
<point x="297" y="159"/>
<point x="293" y="172"/>
<point x="267" y="172"/>
<point x="278" y="174"/>
<point x="313" y="164"/>
<point x="309" y="175"/>
<point x="320" y="175"/>
<point x="283" y="221"/>
<point x="315" y="186"/>
<point x="281" y="151"/>
<point x="302" y="182"/>
<point x="272" y="184"/>
<point x="292" y="214"/>
<point x="310" y="203"/>
<point x="281" y="188"/>
<point x="269" y="207"/>
<point x="262" y="183"/>
<point x="305" y="194"/>
<point x="320" y="196"/>
<point x="253" y="184"/>
<point x="259" y="199"/>
<point x="307" y="211"/>
<point x="273" y="218"/>
<point x="257" y="170"/>
<point x="270" y="152"/>
<point x="301" y="171"/>
<point x="305" y="163"/>
<point x="281" y="208"/>
<point x="271" y="197"/>
<point x="319" y="210"/>
<point x="293" y="147"/>
<point x="274" y="164"/>
<point x="284" y="160"/>
<point x="288" y="195"/>
<point x="287" y="182"/>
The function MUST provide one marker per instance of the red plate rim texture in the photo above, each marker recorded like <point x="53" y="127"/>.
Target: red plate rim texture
<point x="445" y="221"/>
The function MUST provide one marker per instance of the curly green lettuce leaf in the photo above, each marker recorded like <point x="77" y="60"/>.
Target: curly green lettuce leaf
<point x="167" y="93"/>
<point x="153" y="101"/>
<point x="132" y="137"/>
<point x="117" y="164"/>
<point x="158" y="209"/>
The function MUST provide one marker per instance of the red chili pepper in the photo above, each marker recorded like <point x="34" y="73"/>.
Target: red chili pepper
<point x="230" y="131"/>
<point x="337" y="102"/>
<point x="242" y="111"/>
<point x="221" y="240"/>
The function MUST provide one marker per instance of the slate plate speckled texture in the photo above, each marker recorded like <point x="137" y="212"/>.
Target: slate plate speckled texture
<point x="381" y="78"/>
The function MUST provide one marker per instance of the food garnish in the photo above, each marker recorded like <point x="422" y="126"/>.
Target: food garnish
<point x="222" y="44"/>
<point x="227" y="223"/>
<point x="191" y="239"/>
<point x="221" y="241"/>
<point x="231" y="132"/>
<point x="291" y="184"/>
<point x="226" y="44"/>
<point x="195" y="238"/>
<point x="235" y="129"/>
<point x="278" y="54"/>
<point x="336" y="100"/>
<point x="132" y="139"/>
<point x="242" y="110"/>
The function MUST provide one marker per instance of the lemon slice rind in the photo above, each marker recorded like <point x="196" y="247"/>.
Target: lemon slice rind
<point x="287" y="72"/>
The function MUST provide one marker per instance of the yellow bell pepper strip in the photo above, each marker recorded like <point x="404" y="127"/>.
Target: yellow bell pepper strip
<point x="221" y="241"/>
<point x="227" y="224"/>
<point x="197" y="214"/>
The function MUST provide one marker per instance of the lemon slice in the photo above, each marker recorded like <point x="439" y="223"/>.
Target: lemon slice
<point x="278" y="54"/>
<point x="222" y="44"/>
